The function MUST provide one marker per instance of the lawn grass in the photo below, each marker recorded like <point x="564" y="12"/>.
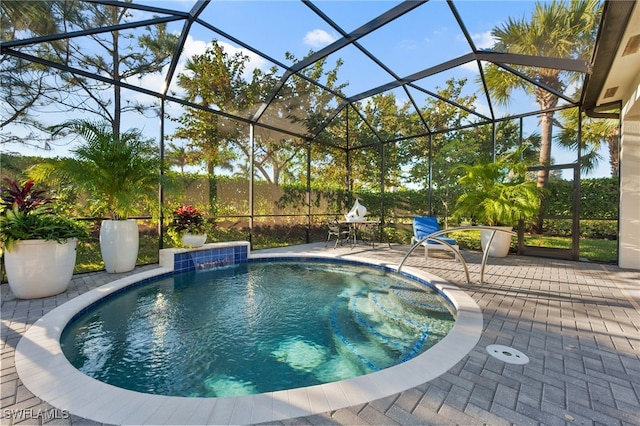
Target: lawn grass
<point x="594" y="250"/>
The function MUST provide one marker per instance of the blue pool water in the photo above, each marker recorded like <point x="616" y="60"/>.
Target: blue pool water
<point x="255" y="327"/>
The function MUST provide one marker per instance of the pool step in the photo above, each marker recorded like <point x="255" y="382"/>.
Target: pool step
<point x="406" y="326"/>
<point x="356" y="344"/>
<point x="383" y="326"/>
<point x="372" y="323"/>
<point x="419" y="300"/>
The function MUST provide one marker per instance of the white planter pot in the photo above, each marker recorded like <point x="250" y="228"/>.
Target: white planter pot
<point x="500" y="243"/>
<point x="39" y="268"/>
<point x="193" y="240"/>
<point x="119" y="241"/>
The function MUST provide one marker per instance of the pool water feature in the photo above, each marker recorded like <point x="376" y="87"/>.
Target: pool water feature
<point x="256" y="327"/>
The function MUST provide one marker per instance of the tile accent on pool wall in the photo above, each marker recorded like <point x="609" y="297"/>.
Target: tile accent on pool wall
<point x="206" y="259"/>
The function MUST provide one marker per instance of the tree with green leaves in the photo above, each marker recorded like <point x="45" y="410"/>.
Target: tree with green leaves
<point x="557" y="30"/>
<point x="26" y="87"/>
<point x="299" y="106"/>
<point x="383" y="119"/>
<point x="119" y="54"/>
<point x="215" y="80"/>
<point x="438" y="116"/>
<point x="429" y="160"/>
<point x="125" y="54"/>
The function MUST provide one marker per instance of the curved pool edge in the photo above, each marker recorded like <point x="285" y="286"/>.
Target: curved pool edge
<point x="47" y="373"/>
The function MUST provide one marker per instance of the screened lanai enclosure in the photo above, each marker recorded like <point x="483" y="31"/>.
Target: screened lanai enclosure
<point x="276" y="116"/>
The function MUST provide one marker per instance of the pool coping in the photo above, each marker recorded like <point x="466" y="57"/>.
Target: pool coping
<point x="47" y="373"/>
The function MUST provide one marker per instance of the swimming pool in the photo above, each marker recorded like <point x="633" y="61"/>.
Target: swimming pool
<point x="256" y="327"/>
<point x="47" y="373"/>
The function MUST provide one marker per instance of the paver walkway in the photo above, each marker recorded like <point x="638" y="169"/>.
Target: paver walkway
<point x="577" y="322"/>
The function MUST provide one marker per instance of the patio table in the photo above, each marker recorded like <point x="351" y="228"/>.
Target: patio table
<point x="362" y="228"/>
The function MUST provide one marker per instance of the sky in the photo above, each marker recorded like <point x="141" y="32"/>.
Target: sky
<point x="418" y="40"/>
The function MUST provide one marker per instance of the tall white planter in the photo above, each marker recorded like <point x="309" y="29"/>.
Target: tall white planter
<point x="119" y="242"/>
<point x="500" y="243"/>
<point x="39" y="268"/>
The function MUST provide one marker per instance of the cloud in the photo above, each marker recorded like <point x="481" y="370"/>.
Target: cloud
<point x="470" y="66"/>
<point x="483" y="40"/>
<point x="255" y="61"/>
<point x="193" y="47"/>
<point x="408" y="44"/>
<point x="318" y="38"/>
<point x="483" y="108"/>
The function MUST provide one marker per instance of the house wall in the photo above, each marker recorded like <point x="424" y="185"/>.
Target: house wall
<point x="629" y="238"/>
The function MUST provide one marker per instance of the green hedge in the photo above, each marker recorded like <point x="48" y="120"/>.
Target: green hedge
<point x="598" y="229"/>
<point x="598" y="198"/>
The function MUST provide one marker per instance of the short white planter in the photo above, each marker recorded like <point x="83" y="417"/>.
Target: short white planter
<point x="500" y="243"/>
<point x="39" y="268"/>
<point x="119" y="243"/>
<point x="193" y="240"/>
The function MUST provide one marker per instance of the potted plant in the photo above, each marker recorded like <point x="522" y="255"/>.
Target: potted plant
<point x="39" y="247"/>
<point x="498" y="194"/>
<point x="118" y="172"/>
<point x="188" y="227"/>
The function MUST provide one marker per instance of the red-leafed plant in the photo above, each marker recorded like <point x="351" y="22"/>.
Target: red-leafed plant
<point x="27" y="216"/>
<point x="188" y="219"/>
<point x="25" y="198"/>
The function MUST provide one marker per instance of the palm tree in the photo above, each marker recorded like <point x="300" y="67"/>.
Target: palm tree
<point x="177" y="156"/>
<point x="595" y="133"/>
<point x="116" y="173"/>
<point x="557" y="30"/>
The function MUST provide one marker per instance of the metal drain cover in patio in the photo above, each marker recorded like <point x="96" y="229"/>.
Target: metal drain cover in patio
<point x="507" y="354"/>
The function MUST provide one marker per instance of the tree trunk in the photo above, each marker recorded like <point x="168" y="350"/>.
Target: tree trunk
<point x="546" y="130"/>
<point x="213" y="189"/>
<point x="117" y="92"/>
<point x="614" y="154"/>
<point x="116" y="16"/>
<point x="546" y="100"/>
<point x="275" y="197"/>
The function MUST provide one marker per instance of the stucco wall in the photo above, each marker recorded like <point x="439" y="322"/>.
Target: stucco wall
<point x="629" y="241"/>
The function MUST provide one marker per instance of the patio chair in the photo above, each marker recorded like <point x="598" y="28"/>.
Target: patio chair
<point x="341" y="232"/>
<point x="424" y="226"/>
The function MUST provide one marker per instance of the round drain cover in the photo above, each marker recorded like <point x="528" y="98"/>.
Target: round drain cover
<point x="507" y="354"/>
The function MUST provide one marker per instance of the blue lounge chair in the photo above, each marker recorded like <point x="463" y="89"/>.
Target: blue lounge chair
<point x="424" y="226"/>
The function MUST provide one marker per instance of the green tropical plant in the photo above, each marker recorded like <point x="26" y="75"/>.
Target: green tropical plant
<point x="26" y="215"/>
<point x="498" y="193"/>
<point x="116" y="173"/>
<point x="16" y="225"/>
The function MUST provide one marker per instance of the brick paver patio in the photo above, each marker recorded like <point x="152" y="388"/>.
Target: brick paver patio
<point x="577" y="322"/>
